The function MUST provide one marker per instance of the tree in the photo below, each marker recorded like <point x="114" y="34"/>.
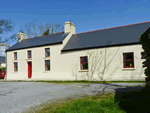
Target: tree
<point x="145" y="42"/>
<point x="33" y="29"/>
<point x="99" y="61"/>
<point x="6" y="25"/>
<point x="46" y="32"/>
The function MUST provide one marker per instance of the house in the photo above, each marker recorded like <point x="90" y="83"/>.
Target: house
<point x="105" y="54"/>
<point x="2" y="62"/>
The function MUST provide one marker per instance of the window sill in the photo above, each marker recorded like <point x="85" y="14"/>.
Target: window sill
<point x="46" y="57"/>
<point x="128" y="69"/>
<point x="29" y="59"/>
<point x="83" y="70"/>
<point x="15" y="71"/>
<point x="46" y="71"/>
<point x="15" y="60"/>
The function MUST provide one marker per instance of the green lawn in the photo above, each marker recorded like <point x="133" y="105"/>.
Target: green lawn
<point x="130" y="102"/>
<point x="95" y="104"/>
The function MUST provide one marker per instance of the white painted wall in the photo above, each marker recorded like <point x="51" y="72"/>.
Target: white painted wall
<point x="114" y="71"/>
<point x="64" y="66"/>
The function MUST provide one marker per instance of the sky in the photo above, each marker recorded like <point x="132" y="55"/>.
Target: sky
<point x="87" y="15"/>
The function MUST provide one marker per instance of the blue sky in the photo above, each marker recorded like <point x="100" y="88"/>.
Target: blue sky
<point x="87" y="15"/>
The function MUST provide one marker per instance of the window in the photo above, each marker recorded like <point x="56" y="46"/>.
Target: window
<point x="29" y="54"/>
<point x="47" y="52"/>
<point x="15" y="56"/>
<point x="47" y="65"/>
<point x="84" y="63"/>
<point x="128" y="60"/>
<point x="15" y="66"/>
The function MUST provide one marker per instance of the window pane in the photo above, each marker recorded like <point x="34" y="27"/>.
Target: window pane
<point x="47" y="54"/>
<point x="16" y="69"/>
<point x="47" y="49"/>
<point x="84" y="66"/>
<point x="83" y="59"/>
<point x="15" y="55"/>
<point x="128" y="63"/>
<point x="128" y="56"/>
<point x="29" y="54"/>
<point x="47" y="62"/>
<point x="16" y="66"/>
<point x="47" y="67"/>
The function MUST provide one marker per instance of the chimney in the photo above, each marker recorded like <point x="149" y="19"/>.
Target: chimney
<point x="70" y="27"/>
<point x="21" y="36"/>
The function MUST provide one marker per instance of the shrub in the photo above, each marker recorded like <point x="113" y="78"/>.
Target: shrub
<point x="3" y="68"/>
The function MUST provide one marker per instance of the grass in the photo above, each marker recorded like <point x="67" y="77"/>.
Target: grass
<point x="81" y="81"/>
<point x="129" y="102"/>
<point x="89" y="106"/>
<point x="95" y="104"/>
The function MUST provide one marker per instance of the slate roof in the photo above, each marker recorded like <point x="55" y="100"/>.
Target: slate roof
<point x="39" y="41"/>
<point x="128" y="34"/>
<point x="2" y="59"/>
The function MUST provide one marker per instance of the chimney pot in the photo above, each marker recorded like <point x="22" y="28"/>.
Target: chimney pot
<point x="69" y="27"/>
<point x="21" y="36"/>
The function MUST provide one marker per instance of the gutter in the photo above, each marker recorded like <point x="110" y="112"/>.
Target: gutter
<point x="95" y="47"/>
<point x="34" y="46"/>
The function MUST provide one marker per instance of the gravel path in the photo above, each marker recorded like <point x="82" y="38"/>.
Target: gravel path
<point x="17" y="96"/>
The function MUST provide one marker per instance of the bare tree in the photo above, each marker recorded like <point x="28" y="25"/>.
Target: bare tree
<point x="6" y="25"/>
<point x="99" y="61"/>
<point x="34" y="29"/>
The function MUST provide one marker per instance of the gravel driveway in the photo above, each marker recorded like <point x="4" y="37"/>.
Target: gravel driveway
<point x="17" y="96"/>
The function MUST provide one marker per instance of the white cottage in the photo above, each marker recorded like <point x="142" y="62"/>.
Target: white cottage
<point x="106" y="54"/>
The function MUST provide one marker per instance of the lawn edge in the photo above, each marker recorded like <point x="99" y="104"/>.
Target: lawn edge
<point x="75" y="81"/>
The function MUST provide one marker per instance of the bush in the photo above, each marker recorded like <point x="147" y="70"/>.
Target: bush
<point x="3" y="68"/>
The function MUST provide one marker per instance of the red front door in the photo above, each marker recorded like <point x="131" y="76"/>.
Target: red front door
<point x="29" y="69"/>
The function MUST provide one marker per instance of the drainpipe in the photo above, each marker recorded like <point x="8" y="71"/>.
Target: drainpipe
<point x="6" y="67"/>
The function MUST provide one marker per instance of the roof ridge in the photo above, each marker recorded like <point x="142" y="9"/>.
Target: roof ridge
<point x="45" y="35"/>
<point x="113" y="27"/>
